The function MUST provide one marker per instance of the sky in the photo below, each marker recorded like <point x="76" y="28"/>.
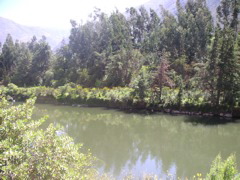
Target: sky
<point x="57" y="13"/>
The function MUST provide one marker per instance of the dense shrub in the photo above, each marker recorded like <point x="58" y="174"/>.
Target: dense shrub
<point x="171" y="98"/>
<point x="27" y="152"/>
<point x="226" y="170"/>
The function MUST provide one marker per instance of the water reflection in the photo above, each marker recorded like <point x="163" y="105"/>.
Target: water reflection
<point x="152" y="144"/>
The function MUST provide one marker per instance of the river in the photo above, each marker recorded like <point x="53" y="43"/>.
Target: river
<point x="139" y="143"/>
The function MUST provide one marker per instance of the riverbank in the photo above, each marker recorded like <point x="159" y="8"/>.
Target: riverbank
<point x="121" y="98"/>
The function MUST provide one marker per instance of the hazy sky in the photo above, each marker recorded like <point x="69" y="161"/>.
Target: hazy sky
<point x="57" y="13"/>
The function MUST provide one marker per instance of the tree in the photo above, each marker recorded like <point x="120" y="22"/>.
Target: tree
<point x="41" y="60"/>
<point x="223" y="169"/>
<point x="168" y="34"/>
<point x="196" y="23"/>
<point x="90" y="45"/>
<point x="103" y="48"/>
<point x="21" y="74"/>
<point x="142" y="83"/>
<point x="122" y="67"/>
<point x="212" y="66"/>
<point x="228" y="64"/>
<point x="133" y="26"/>
<point x="151" y="39"/>
<point x="121" y="32"/>
<point x="161" y="76"/>
<point x="7" y="60"/>
<point x="62" y="66"/>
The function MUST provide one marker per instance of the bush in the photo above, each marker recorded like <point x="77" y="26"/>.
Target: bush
<point x="225" y="170"/>
<point x="27" y="152"/>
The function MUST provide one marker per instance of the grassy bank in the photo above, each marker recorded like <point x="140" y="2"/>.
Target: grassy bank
<point x="171" y="101"/>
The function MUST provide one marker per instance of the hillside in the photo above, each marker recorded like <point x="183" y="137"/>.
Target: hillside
<point x="25" y="33"/>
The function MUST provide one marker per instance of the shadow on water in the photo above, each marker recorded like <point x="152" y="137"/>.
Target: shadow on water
<point x="133" y="111"/>
<point x="210" y="121"/>
<point x="194" y="120"/>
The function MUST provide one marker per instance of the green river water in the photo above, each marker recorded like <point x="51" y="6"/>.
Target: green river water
<point x="138" y="144"/>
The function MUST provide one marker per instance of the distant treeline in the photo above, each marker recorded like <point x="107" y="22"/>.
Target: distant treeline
<point x="187" y="53"/>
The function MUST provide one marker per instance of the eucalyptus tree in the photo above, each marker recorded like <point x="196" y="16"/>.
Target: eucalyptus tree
<point x="103" y="47"/>
<point x="168" y="34"/>
<point x="227" y="79"/>
<point x="7" y="60"/>
<point x="21" y="75"/>
<point x="196" y="23"/>
<point x="152" y="42"/>
<point x="123" y="67"/>
<point x="117" y="64"/>
<point x="213" y="66"/>
<point x="62" y="65"/>
<point x="81" y="46"/>
<point x="41" y="56"/>
<point x="121" y="31"/>
<point x="161" y="76"/>
<point x="133" y="22"/>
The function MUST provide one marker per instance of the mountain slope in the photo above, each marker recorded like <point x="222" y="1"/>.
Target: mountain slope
<point x="25" y="33"/>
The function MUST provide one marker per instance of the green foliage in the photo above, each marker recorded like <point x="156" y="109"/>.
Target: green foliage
<point x="77" y="94"/>
<point x="121" y="52"/>
<point x="40" y="62"/>
<point x="142" y="84"/>
<point x="223" y="64"/>
<point x="20" y="93"/>
<point x="7" y="59"/>
<point x="226" y="170"/>
<point x="127" y="50"/>
<point x="27" y="152"/>
<point x="72" y="93"/>
<point x="24" y="63"/>
<point x="122" y="67"/>
<point x="141" y="91"/>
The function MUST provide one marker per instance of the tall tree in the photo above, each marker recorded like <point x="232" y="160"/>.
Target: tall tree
<point x="162" y="75"/>
<point x="195" y="18"/>
<point x="168" y="33"/>
<point x="62" y="65"/>
<point x="213" y="66"/>
<point x="123" y="66"/>
<point x="121" y="31"/>
<point x="228" y="12"/>
<point x="151" y="40"/>
<point x="7" y="60"/>
<point x="21" y="75"/>
<point x="41" y="60"/>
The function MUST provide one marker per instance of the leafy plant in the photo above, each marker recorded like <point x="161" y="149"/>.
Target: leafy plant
<point x="27" y="152"/>
<point x="226" y="170"/>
